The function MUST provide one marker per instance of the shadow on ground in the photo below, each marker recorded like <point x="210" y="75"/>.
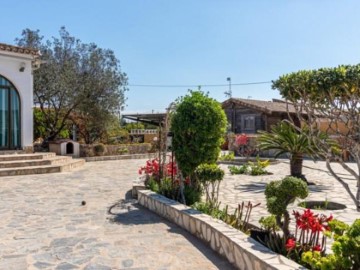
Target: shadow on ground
<point x="128" y="212"/>
<point x="253" y="188"/>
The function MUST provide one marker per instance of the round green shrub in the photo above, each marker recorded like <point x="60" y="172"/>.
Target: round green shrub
<point x="99" y="149"/>
<point x="209" y="173"/>
<point x="283" y="192"/>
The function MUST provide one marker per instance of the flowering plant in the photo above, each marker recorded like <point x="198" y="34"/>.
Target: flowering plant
<point x="241" y="139"/>
<point x="152" y="168"/>
<point x="310" y="233"/>
<point x="165" y="179"/>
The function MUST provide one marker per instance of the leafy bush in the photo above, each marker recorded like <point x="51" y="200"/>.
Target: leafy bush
<point x="153" y="185"/>
<point x="346" y="249"/>
<point x="123" y="150"/>
<point x="243" y="169"/>
<point x="210" y="175"/>
<point x="251" y="168"/>
<point x="227" y="157"/>
<point x="210" y="209"/>
<point x="99" y="149"/>
<point x="269" y="223"/>
<point x="239" y="219"/>
<point x="199" y="125"/>
<point x="167" y="188"/>
<point x="192" y="195"/>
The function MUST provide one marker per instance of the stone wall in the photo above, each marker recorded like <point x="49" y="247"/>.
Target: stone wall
<point x="120" y="157"/>
<point x="242" y="251"/>
<point x="87" y="150"/>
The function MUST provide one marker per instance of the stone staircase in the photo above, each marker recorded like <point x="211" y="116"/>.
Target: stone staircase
<point x="18" y="163"/>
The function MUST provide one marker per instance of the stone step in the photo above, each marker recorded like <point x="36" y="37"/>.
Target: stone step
<point x="12" y="152"/>
<point x="57" y="160"/>
<point x="73" y="163"/>
<point x="11" y="157"/>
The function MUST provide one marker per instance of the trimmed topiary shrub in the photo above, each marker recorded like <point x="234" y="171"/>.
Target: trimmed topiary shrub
<point x="279" y="194"/>
<point x="210" y="176"/>
<point x="199" y="124"/>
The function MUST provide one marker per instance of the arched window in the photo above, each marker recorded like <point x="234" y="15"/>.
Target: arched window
<point x="10" y="123"/>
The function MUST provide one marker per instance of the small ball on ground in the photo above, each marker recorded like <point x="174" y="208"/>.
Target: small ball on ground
<point x="83" y="203"/>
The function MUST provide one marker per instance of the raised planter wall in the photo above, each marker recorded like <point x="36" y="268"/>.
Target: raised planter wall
<point x="242" y="251"/>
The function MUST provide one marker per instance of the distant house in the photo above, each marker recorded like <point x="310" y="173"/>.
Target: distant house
<point x="16" y="96"/>
<point x="249" y="116"/>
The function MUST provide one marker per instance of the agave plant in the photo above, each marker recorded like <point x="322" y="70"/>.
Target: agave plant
<point x="284" y="138"/>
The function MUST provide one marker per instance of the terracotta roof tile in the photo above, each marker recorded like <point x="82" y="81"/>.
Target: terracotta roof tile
<point x="16" y="49"/>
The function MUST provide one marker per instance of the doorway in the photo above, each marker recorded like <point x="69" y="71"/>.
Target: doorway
<point x="10" y="122"/>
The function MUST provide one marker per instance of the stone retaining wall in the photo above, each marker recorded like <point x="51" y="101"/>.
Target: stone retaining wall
<point x="120" y="157"/>
<point x="242" y="251"/>
<point x="87" y="150"/>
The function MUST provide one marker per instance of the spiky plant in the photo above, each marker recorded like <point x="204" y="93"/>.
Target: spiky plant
<point x="285" y="139"/>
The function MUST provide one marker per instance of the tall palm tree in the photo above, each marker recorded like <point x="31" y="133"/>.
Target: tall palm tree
<point x="284" y="138"/>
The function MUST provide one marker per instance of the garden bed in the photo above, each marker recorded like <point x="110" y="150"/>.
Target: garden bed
<point x="244" y="160"/>
<point x="322" y="205"/>
<point x="237" y="247"/>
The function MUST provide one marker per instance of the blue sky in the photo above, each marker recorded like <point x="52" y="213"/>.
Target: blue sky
<point x="199" y="42"/>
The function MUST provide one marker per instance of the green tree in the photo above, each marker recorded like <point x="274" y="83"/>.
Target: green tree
<point x="73" y="78"/>
<point x="198" y="124"/>
<point x="41" y="129"/>
<point x="93" y="125"/>
<point x="330" y="96"/>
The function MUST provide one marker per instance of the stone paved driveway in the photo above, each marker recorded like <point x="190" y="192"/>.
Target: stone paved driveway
<point x="44" y="226"/>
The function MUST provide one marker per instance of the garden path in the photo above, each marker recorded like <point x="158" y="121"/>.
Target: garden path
<point x="43" y="224"/>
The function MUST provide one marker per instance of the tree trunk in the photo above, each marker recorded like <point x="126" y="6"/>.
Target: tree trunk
<point x="296" y="163"/>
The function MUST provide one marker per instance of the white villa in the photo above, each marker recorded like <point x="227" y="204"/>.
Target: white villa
<point x="16" y="96"/>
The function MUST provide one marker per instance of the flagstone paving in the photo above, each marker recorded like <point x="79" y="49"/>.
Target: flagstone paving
<point x="237" y="188"/>
<point x="43" y="224"/>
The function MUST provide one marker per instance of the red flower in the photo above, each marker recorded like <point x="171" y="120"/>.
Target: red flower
<point x="290" y="244"/>
<point x="329" y="218"/>
<point x="241" y="139"/>
<point x="316" y="248"/>
<point x="316" y="226"/>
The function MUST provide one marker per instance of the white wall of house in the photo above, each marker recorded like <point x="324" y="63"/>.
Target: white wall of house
<point x="10" y="64"/>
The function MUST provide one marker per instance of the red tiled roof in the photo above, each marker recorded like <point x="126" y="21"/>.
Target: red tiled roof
<point x="262" y="105"/>
<point x="16" y="49"/>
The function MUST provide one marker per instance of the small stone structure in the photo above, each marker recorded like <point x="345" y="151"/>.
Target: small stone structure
<point x="242" y="251"/>
<point x="65" y="148"/>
